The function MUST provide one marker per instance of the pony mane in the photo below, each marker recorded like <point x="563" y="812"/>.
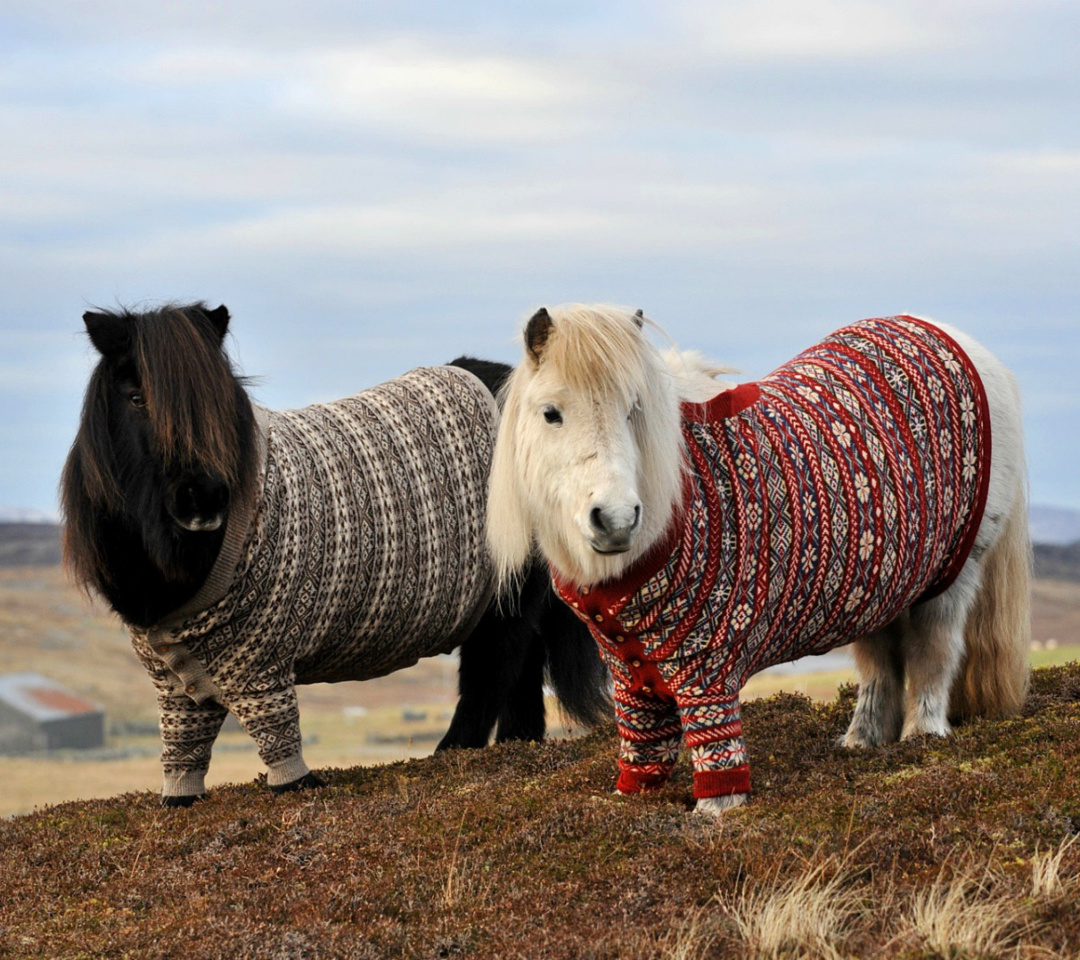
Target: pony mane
<point x="599" y="351"/>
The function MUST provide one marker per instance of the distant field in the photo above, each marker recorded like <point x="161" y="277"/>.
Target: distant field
<point x="47" y="626"/>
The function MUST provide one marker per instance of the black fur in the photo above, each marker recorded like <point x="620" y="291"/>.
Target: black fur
<point x="307" y="782"/>
<point x="514" y="645"/>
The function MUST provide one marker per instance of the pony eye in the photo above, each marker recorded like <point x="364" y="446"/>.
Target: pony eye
<point x="136" y="399"/>
<point x="552" y="415"/>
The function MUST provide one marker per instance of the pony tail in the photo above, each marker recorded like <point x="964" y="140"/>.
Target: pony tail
<point x="509" y="527"/>
<point x="997" y="635"/>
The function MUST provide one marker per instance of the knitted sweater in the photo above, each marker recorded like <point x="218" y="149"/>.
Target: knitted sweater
<point x="365" y="551"/>
<point x="820" y="503"/>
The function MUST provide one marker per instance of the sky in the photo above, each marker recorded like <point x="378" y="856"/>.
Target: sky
<point x="372" y="186"/>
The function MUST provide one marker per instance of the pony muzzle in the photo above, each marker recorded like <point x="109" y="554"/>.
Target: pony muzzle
<point x="612" y="529"/>
<point x="198" y="503"/>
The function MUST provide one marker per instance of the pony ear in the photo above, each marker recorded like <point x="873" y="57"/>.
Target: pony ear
<point x="109" y="333"/>
<point x="537" y="331"/>
<point x="220" y="319"/>
<point x="639" y="319"/>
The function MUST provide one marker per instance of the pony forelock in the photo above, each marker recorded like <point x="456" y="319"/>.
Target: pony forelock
<point x="598" y="351"/>
<point x="191" y="392"/>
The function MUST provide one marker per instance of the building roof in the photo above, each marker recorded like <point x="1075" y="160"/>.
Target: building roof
<point x="42" y="698"/>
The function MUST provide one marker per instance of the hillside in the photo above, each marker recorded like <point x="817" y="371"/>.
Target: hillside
<point x="958" y="847"/>
<point x="29" y="544"/>
<point x="1053" y="562"/>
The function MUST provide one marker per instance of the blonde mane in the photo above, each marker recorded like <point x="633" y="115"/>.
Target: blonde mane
<point x="599" y="356"/>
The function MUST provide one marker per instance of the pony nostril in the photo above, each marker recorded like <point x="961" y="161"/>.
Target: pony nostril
<point x="637" y="517"/>
<point x="596" y="518"/>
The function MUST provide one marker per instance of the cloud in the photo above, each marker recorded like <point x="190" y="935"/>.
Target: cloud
<point x="826" y="29"/>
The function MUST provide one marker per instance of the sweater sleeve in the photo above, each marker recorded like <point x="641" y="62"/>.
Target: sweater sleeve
<point x="188" y="732"/>
<point x="272" y="720"/>
<point x="188" y="729"/>
<point x="648" y="737"/>
<point x="712" y="726"/>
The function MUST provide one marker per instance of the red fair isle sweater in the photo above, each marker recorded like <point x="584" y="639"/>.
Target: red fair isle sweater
<point x="820" y="503"/>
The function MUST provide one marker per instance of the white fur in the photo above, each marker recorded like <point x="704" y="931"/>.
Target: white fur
<point x="619" y="447"/>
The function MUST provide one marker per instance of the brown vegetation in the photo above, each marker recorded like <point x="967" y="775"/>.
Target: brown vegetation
<point x="957" y="847"/>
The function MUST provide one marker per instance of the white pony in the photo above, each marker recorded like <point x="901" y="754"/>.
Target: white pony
<point x="871" y="491"/>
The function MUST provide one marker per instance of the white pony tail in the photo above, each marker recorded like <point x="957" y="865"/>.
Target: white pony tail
<point x="997" y="634"/>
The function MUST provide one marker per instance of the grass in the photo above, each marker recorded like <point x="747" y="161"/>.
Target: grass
<point x="963" y="847"/>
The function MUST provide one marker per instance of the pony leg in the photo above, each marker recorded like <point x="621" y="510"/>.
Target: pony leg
<point x="649" y="735"/>
<point x="983" y="619"/>
<point x="188" y="732"/>
<point x="492" y="659"/>
<point x="933" y="648"/>
<point x="712" y="728"/>
<point x="523" y="716"/>
<point x="272" y="720"/>
<point x="879" y="710"/>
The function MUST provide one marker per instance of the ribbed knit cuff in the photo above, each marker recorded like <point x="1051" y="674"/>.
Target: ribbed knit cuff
<point x="722" y="783"/>
<point x="286" y="771"/>
<point x="191" y="783"/>
<point x="637" y="780"/>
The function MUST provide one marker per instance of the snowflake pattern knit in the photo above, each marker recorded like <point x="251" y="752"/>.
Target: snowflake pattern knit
<point x="820" y="503"/>
<point x="365" y="552"/>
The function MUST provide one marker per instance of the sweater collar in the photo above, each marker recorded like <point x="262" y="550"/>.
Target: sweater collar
<point x="223" y="572"/>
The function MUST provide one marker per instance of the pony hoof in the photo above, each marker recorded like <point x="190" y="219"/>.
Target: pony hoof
<point x="917" y="734"/>
<point x="187" y="801"/>
<point x="307" y="782"/>
<point x="718" y="806"/>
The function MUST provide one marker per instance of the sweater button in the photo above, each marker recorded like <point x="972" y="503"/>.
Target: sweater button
<point x="190" y="688"/>
<point x="635" y="663"/>
<point x="646" y="688"/>
<point x="599" y="618"/>
<point x="162" y="648"/>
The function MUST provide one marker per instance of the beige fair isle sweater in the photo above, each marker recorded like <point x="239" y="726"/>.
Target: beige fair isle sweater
<point x="364" y="552"/>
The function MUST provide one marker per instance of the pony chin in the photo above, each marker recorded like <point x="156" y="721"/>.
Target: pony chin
<point x="583" y="566"/>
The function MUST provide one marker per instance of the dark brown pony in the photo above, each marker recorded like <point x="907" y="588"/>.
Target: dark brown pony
<point x="167" y="446"/>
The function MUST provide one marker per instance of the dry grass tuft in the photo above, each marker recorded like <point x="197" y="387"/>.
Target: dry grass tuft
<point x="964" y="917"/>
<point x="807" y="916"/>
<point x="1047" y="881"/>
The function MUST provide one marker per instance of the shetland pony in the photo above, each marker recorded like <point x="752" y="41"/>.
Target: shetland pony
<point x="853" y="496"/>
<point x="168" y="450"/>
